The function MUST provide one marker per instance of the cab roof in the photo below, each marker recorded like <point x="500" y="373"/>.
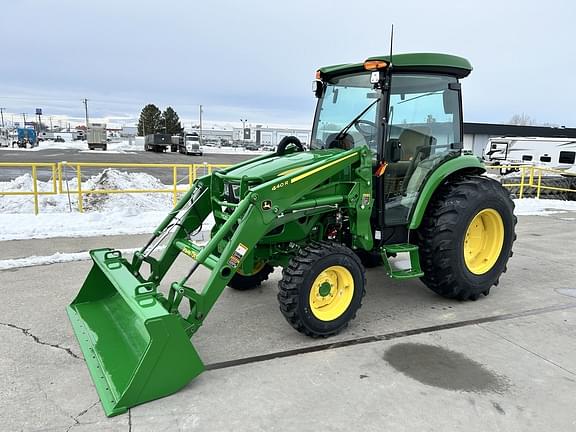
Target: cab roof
<point x="409" y="62"/>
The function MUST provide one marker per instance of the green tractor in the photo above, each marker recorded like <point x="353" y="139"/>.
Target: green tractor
<point x="385" y="176"/>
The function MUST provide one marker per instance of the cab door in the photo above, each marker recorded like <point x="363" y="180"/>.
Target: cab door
<point x="423" y="130"/>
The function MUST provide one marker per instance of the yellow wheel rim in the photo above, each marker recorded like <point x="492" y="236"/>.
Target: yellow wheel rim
<point x="331" y="293"/>
<point x="483" y="241"/>
<point x="257" y="267"/>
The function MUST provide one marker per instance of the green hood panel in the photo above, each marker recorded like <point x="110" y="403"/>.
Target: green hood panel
<point x="275" y="166"/>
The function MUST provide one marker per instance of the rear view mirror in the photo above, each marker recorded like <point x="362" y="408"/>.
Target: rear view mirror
<point x="395" y="150"/>
<point x="317" y="88"/>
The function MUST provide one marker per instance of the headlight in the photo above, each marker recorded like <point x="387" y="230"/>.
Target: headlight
<point x="232" y="192"/>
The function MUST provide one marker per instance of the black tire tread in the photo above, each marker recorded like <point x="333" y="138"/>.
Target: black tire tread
<point x="293" y="276"/>
<point x="243" y="283"/>
<point x="437" y="233"/>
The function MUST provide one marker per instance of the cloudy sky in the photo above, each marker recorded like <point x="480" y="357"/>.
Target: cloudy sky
<point x="256" y="59"/>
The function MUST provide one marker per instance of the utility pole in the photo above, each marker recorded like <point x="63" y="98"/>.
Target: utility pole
<point x="85" y="101"/>
<point x="51" y="130"/>
<point x="244" y="121"/>
<point x="2" y="115"/>
<point x="24" y="115"/>
<point x="200" y="138"/>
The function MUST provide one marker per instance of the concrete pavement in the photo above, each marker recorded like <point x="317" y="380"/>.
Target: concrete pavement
<point x="512" y="374"/>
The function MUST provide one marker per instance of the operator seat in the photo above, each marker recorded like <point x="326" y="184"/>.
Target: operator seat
<point x="414" y="144"/>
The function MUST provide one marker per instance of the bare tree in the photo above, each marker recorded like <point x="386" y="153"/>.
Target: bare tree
<point x="522" y="120"/>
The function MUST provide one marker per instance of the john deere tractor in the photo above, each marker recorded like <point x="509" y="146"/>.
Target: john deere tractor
<point x="385" y="176"/>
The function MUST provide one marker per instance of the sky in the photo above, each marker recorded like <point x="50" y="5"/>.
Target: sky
<point x="255" y="60"/>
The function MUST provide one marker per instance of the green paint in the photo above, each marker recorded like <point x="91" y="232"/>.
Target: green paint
<point x="325" y="289"/>
<point x="464" y="163"/>
<point x="419" y="62"/>
<point x="135" y="341"/>
<point x="414" y="271"/>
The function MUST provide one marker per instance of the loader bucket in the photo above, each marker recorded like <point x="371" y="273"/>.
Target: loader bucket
<point x="135" y="350"/>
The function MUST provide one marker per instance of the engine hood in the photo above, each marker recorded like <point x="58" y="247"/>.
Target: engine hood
<point x="276" y="166"/>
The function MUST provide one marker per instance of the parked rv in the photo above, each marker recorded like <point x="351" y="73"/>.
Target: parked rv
<point x="558" y="153"/>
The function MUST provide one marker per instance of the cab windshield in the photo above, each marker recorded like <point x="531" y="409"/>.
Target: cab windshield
<point x="344" y="99"/>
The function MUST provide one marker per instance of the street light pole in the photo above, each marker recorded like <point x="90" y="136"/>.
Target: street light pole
<point x="2" y="115"/>
<point x="200" y="138"/>
<point x="244" y="121"/>
<point x="85" y="101"/>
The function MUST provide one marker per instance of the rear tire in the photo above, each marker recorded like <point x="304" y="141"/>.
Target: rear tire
<point x="466" y="237"/>
<point x="242" y="282"/>
<point x="321" y="289"/>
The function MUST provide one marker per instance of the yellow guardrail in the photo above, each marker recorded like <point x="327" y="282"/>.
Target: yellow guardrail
<point x="34" y="166"/>
<point x="531" y="177"/>
<point x="180" y="174"/>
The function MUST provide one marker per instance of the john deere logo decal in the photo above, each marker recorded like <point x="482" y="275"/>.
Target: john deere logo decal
<point x="266" y="205"/>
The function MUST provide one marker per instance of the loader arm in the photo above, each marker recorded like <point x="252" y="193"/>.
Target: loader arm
<point x="135" y="342"/>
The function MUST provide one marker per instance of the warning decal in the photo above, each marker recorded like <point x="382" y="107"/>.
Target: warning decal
<point x="237" y="255"/>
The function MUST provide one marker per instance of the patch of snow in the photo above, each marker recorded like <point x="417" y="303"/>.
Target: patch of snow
<point x="542" y="207"/>
<point x="22" y="226"/>
<point x="232" y="150"/>
<point x="104" y="214"/>
<point x="56" y="258"/>
<point x="112" y="147"/>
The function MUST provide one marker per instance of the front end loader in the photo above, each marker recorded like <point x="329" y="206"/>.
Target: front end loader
<point x="385" y="176"/>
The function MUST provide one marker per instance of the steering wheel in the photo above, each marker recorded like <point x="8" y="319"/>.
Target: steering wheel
<point x="366" y="127"/>
<point x="288" y="142"/>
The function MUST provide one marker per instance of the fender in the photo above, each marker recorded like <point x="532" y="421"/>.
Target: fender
<point x="464" y="163"/>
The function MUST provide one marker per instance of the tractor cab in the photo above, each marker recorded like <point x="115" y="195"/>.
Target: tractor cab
<point x="406" y="110"/>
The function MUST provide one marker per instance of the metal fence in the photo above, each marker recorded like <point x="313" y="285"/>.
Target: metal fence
<point x="34" y="168"/>
<point x="529" y="181"/>
<point x="533" y="181"/>
<point x="181" y="177"/>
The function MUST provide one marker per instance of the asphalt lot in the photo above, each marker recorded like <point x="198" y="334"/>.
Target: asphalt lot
<point x="410" y="361"/>
<point x="80" y="155"/>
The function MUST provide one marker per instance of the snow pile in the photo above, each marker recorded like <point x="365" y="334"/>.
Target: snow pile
<point x="108" y="179"/>
<point x="111" y="179"/>
<point x="105" y="214"/>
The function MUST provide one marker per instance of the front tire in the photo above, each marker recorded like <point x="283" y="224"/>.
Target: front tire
<point x="243" y="282"/>
<point x="466" y="237"/>
<point x="321" y="289"/>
